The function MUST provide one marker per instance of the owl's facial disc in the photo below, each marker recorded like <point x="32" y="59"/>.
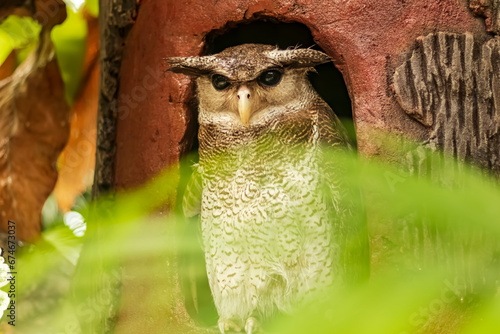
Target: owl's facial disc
<point x="244" y="104"/>
<point x="248" y="97"/>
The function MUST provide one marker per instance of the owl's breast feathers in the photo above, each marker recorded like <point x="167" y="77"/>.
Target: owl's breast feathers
<point x="265" y="151"/>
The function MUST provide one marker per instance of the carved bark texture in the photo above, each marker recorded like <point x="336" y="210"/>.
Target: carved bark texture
<point x="451" y="84"/>
<point x="490" y="9"/>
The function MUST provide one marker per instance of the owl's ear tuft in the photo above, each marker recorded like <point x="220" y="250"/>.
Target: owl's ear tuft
<point x="195" y="66"/>
<point x="298" y="58"/>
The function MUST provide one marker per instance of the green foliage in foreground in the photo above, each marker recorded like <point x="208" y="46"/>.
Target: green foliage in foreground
<point x="435" y="260"/>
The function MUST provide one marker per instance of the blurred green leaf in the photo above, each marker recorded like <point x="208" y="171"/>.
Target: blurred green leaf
<point x="17" y="33"/>
<point x="5" y="46"/>
<point x="92" y="7"/>
<point x="440" y="255"/>
<point x="69" y="43"/>
<point x="65" y="242"/>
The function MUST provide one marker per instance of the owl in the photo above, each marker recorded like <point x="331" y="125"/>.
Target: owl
<point x="266" y="195"/>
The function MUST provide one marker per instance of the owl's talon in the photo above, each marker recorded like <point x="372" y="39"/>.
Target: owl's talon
<point x="251" y="325"/>
<point x="226" y="325"/>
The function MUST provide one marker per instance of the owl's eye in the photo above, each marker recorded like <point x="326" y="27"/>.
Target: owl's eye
<point x="220" y="82"/>
<point x="270" y="78"/>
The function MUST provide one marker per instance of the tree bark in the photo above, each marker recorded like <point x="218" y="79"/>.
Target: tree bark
<point x="116" y="17"/>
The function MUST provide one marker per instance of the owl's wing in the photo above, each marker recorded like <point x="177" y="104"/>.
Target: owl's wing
<point x="332" y="132"/>
<point x="191" y="202"/>
<point x="349" y="215"/>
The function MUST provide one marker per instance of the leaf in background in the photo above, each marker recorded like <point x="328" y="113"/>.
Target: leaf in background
<point x="69" y="43"/>
<point x="18" y="33"/>
<point x="5" y="46"/>
<point x="93" y="7"/>
<point x="76" y="163"/>
<point x="21" y="30"/>
<point x="34" y="127"/>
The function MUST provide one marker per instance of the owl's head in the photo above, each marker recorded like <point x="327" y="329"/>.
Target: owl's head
<point x="244" y="83"/>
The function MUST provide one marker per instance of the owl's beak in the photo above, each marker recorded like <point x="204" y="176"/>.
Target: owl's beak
<point x="244" y="104"/>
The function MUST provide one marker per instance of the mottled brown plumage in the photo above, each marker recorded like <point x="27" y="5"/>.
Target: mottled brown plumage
<point x="266" y="220"/>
